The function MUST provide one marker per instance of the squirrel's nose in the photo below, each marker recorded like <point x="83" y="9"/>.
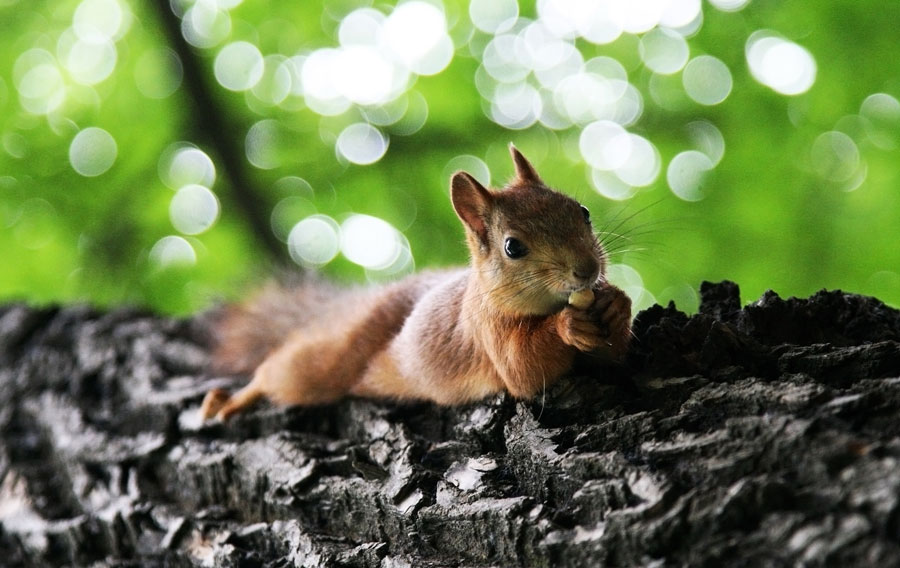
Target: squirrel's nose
<point x="586" y="270"/>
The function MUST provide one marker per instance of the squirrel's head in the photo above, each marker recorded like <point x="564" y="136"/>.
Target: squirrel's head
<point x="531" y="246"/>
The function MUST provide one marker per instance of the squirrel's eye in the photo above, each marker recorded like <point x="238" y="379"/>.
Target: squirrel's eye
<point x="514" y="248"/>
<point x="586" y="213"/>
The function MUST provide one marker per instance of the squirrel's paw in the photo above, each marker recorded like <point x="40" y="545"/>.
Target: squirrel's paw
<point x="603" y="327"/>
<point x="213" y="403"/>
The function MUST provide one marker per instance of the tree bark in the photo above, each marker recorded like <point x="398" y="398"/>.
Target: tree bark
<point x="763" y="435"/>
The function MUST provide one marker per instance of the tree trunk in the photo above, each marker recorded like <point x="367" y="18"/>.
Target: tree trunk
<point x="763" y="435"/>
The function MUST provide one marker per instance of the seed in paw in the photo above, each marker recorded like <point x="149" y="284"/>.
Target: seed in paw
<point x="582" y="298"/>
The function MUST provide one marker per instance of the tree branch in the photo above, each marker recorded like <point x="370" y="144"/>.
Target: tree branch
<point x="209" y="118"/>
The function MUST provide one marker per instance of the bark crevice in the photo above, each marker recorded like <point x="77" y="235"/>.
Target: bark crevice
<point x="766" y="434"/>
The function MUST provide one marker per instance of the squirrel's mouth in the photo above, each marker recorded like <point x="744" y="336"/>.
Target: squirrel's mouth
<point x="583" y="284"/>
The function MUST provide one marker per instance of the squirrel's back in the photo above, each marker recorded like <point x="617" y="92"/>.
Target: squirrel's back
<point x="246" y="333"/>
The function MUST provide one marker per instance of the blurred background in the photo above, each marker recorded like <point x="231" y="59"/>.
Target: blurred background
<point x="172" y="154"/>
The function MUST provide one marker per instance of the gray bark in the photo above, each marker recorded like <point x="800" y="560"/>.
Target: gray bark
<point x="763" y="435"/>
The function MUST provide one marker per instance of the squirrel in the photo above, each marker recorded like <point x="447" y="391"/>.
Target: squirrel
<point x="533" y="297"/>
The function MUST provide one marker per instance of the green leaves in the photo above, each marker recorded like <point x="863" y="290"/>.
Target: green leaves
<point x="765" y="136"/>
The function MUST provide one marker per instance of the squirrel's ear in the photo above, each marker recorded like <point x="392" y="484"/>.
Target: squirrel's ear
<point x="472" y="203"/>
<point x="524" y="170"/>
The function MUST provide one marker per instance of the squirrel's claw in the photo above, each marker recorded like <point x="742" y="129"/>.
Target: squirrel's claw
<point x="603" y="327"/>
<point x="213" y="402"/>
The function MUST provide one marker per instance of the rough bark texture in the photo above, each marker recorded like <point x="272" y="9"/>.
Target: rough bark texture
<point x="763" y="435"/>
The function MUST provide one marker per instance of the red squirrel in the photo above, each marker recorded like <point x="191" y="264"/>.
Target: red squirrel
<point x="533" y="297"/>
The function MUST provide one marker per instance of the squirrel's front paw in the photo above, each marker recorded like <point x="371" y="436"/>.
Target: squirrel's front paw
<point x="603" y="327"/>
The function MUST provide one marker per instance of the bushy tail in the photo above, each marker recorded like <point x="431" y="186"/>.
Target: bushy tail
<point x="244" y="334"/>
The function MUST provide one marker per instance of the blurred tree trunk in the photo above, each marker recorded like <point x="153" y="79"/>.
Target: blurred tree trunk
<point x="206" y="118"/>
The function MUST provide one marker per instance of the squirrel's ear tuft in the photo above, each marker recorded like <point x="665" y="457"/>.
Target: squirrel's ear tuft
<point x="472" y="202"/>
<point x="524" y="170"/>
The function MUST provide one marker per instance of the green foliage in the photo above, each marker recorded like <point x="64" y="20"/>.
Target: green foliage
<point x="804" y="197"/>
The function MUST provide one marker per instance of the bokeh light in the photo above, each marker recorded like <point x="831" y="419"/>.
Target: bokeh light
<point x="403" y="265"/>
<point x="681" y="15"/>
<point x="729" y="5"/>
<point x="643" y="163"/>
<point x="882" y="114"/>
<point x="193" y="209"/>
<point x="611" y="186"/>
<point x="687" y="174"/>
<point x="14" y="144"/>
<point x="501" y="58"/>
<point x="361" y="144"/>
<point x="92" y="152"/>
<point x="173" y="251"/>
<point x="415" y="33"/>
<point x="363" y="76"/>
<point x="319" y="89"/>
<point x="629" y="280"/>
<point x="361" y="27"/>
<point x="494" y="16"/>
<point x="663" y="51"/>
<point x="101" y="20"/>
<point x="275" y="84"/>
<point x="516" y="105"/>
<point x="473" y="165"/>
<point x="370" y="242"/>
<point x="262" y="144"/>
<point x="597" y="22"/>
<point x="707" y="138"/>
<point x="88" y="62"/>
<point x="158" y="73"/>
<point x="288" y="212"/>
<point x="781" y="65"/>
<point x="314" y="241"/>
<point x="377" y="59"/>
<point x="684" y="295"/>
<point x="184" y="164"/>
<point x="205" y="24"/>
<point x="707" y="80"/>
<point x="605" y="145"/>
<point x="239" y="66"/>
<point x="835" y="156"/>
<point x="535" y="73"/>
<point x="39" y="81"/>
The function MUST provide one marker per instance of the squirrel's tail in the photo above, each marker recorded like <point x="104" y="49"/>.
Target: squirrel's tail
<point x="244" y="334"/>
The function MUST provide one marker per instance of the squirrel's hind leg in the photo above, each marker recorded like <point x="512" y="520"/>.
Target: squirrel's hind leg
<point x="213" y="402"/>
<point x="220" y="404"/>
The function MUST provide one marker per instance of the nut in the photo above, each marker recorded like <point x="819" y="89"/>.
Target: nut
<point x="581" y="299"/>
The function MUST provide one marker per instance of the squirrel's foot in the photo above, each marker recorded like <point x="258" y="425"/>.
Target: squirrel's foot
<point x="213" y="403"/>
<point x="222" y="405"/>
<point x="603" y="327"/>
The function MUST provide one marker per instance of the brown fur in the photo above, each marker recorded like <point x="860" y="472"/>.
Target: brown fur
<point x="452" y="336"/>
